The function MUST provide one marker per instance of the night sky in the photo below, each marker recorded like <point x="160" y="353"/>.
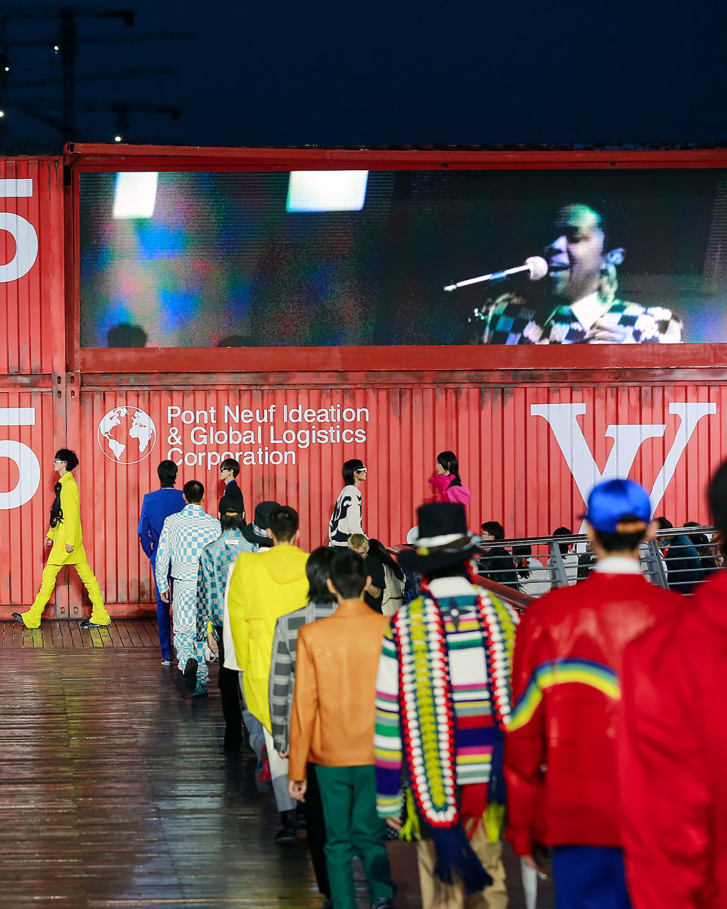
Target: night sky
<point x="406" y="73"/>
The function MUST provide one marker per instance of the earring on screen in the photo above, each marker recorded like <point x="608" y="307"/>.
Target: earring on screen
<point x="615" y="256"/>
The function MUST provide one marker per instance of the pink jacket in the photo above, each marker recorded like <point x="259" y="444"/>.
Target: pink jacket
<point x="445" y="492"/>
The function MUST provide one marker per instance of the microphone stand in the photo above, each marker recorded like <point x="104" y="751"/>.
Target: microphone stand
<point x="493" y="276"/>
<point x="535" y="266"/>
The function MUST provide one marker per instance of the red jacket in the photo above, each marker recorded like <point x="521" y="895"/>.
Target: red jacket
<point x="673" y="758"/>
<point x="560" y="749"/>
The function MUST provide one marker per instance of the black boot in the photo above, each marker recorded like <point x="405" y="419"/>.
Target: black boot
<point x="300" y="822"/>
<point x="190" y="676"/>
<point x="286" y="834"/>
<point x="231" y="743"/>
<point x="245" y="746"/>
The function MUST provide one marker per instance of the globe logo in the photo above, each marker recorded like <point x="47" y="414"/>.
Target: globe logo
<point x="126" y="435"/>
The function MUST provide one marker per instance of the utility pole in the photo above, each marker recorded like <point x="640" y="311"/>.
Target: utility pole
<point x="67" y="45"/>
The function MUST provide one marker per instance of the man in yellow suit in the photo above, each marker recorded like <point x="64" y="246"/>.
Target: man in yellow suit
<point x="262" y="587"/>
<point x="66" y="539"/>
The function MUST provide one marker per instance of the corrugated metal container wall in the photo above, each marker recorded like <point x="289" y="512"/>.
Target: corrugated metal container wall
<point x="26" y="490"/>
<point x="528" y="450"/>
<point x="525" y="452"/>
<point x="31" y="273"/>
<point x="32" y="360"/>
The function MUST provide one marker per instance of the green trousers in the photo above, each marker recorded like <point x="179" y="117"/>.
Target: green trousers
<point x="353" y="828"/>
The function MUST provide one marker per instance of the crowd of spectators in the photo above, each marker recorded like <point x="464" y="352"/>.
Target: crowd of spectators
<point x="686" y="559"/>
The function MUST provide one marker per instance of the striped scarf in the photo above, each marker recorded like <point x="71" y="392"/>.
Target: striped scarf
<point x="428" y="722"/>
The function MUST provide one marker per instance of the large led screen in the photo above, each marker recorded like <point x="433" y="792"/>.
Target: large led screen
<point x="321" y="258"/>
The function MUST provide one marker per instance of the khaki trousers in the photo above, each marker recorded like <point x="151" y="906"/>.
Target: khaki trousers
<point x="438" y="895"/>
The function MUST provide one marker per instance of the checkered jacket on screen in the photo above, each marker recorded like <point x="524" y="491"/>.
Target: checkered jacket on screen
<point x="183" y="537"/>
<point x="509" y="320"/>
<point x="214" y="566"/>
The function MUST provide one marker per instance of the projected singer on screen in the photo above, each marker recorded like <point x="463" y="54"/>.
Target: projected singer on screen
<point x="577" y="301"/>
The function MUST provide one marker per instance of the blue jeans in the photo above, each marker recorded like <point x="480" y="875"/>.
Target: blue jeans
<point x="255" y="729"/>
<point x="163" y="620"/>
<point x="589" y="877"/>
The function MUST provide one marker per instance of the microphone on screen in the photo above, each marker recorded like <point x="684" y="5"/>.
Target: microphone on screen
<point x="535" y="266"/>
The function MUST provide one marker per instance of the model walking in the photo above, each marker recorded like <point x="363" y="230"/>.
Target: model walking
<point x="446" y="482"/>
<point x="66" y="539"/>
<point x="347" y="513"/>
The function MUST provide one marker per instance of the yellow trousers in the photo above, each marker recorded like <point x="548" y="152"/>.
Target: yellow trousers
<point x="438" y="895"/>
<point x="99" y="615"/>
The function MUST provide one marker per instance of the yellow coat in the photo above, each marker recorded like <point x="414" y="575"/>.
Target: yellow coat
<point x="263" y="586"/>
<point x="69" y="530"/>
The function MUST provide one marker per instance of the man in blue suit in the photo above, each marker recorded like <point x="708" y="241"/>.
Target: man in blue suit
<point x="156" y="507"/>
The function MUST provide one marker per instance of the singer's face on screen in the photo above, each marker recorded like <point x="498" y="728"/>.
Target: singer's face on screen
<point x="576" y="254"/>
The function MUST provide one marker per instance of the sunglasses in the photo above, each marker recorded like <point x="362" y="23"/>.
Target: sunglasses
<point x="361" y="470"/>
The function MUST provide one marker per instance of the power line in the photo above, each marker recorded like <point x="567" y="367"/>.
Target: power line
<point x="67" y="45"/>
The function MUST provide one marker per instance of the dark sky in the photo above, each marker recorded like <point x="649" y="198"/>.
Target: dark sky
<point x="455" y="73"/>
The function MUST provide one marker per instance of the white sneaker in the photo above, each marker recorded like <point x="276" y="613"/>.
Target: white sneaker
<point x="208" y="655"/>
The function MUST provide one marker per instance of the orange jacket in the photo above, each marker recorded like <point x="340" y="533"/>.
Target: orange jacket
<point x="332" y="722"/>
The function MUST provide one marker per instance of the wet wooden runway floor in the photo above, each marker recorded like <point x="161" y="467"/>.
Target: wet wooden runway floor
<point x="66" y="635"/>
<point x="115" y="792"/>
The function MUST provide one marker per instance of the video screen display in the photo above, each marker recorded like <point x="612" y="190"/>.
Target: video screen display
<point x="331" y="258"/>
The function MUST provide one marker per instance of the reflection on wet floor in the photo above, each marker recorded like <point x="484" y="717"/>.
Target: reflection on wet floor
<point x="116" y="791"/>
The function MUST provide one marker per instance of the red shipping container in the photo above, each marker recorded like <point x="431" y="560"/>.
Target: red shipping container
<point x="533" y="427"/>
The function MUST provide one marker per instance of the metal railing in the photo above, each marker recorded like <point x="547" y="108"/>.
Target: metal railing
<point x="670" y="560"/>
<point x="519" y="570"/>
<point x="520" y="599"/>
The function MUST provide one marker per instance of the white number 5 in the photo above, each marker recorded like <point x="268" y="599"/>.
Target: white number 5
<point x="25" y="458"/>
<point x="23" y="232"/>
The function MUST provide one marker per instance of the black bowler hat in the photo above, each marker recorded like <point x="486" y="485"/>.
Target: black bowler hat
<point x="442" y="540"/>
<point x="257" y="531"/>
<point x="231" y="504"/>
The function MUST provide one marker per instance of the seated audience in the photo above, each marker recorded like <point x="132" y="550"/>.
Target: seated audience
<point x="495" y="562"/>
<point x="532" y="574"/>
<point x="570" y="559"/>
<point x="683" y="565"/>
<point x="705" y="551"/>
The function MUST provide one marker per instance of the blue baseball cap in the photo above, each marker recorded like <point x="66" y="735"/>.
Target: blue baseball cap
<point x="612" y="501"/>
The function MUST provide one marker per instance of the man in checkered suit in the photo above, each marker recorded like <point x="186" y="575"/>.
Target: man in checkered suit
<point x="183" y="537"/>
<point x="215" y="563"/>
<point x="582" y="307"/>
